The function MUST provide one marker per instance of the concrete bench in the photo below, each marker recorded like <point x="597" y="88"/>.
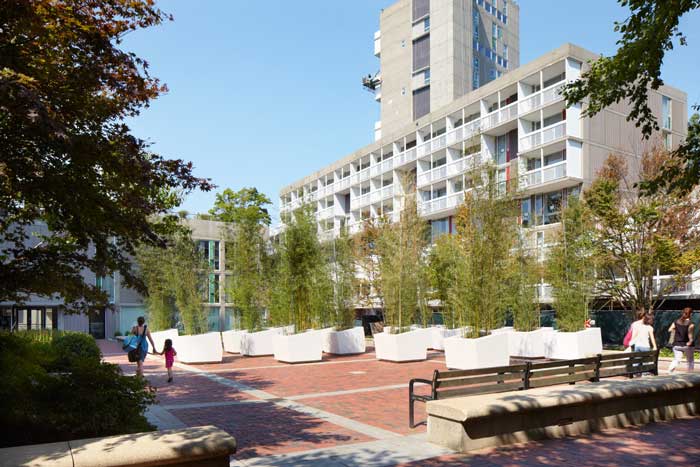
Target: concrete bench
<point x="205" y="446"/>
<point x="489" y="420"/>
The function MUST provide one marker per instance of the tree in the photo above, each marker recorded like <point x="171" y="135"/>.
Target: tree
<point x="175" y="278"/>
<point x="520" y="293"/>
<point x="639" y="233"/>
<point x="648" y="33"/>
<point x="400" y="253"/>
<point x="303" y="279"/>
<point x="246" y="251"/>
<point x="443" y="262"/>
<point x="570" y="268"/>
<point x="486" y="224"/>
<point x="367" y="264"/>
<point x="344" y="279"/>
<point x="71" y="169"/>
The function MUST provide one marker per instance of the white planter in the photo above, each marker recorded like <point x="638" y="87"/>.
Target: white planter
<point x="439" y="334"/>
<point x="199" y="348"/>
<point x="404" y="347"/>
<point x="347" y="342"/>
<point x="483" y="352"/>
<point x="425" y="334"/>
<point x="531" y="344"/>
<point x="297" y="348"/>
<point x="232" y="340"/>
<point x="159" y="339"/>
<point x="573" y="345"/>
<point x="255" y="344"/>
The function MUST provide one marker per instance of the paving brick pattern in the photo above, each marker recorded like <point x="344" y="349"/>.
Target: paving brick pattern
<point x="341" y="408"/>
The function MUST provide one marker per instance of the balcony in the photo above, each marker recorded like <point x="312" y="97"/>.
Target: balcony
<point x="543" y="136"/>
<point x="325" y="213"/>
<point x="500" y="116"/>
<point x="360" y="176"/>
<point x="405" y="157"/>
<point x="361" y="201"/>
<point x="546" y="174"/>
<point x="463" y="132"/>
<point x="441" y="204"/>
<point x="438" y="142"/>
<point x="540" y="98"/>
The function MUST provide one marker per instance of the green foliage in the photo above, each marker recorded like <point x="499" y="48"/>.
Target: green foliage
<point x="520" y="291"/>
<point x="443" y="263"/>
<point x="73" y="347"/>
<point x="70" y="162"/>
<point x="246" y="251"/>
<point x="175" y="283"/>
<point x="303" y="285"/>
<point x="648" y="33"/>
<point x="639" y="233"/>
<point x="342" y="263"/>
<point x="50" y="393"/>
<point x="570" y="267"/>
<point x="41" y="335"/>
<point x="486" y="226"/>
<point x="400" y="251"/>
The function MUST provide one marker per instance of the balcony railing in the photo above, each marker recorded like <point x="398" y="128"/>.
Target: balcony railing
<point x="499" y="116"/>
<point x="441" y="204"/>
<point x="543" y="136"/>
<point x="325" y="213"/>
<point x="543" y="175"/>
<point x="540" y="98"/>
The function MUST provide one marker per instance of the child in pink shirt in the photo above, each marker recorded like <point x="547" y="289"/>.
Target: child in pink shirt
<point x="169" y="352"/>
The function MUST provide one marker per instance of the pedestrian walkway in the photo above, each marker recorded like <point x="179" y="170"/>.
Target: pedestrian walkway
<point x="352" y="411"/>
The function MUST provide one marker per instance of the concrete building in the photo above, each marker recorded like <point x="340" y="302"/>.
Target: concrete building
<point x="433" y="52"/>
<point x="519" y="122"/>
<point x="126" y="304"/>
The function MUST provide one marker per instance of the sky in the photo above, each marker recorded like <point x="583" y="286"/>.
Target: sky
<point x="262" y="94"/>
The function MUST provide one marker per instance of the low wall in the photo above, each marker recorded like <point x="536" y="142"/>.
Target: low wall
<point x="205" y="446"/>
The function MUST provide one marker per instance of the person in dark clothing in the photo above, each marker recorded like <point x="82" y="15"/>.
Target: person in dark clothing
<point x="683" y="332"/>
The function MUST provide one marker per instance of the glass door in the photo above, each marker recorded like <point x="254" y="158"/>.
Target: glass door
<point x="97" y="323"/>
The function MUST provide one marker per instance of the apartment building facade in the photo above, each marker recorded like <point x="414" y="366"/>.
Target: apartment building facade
<point x="126" y="304"/>
<point x="519" y="122"/>
<point x="433" y="52"/>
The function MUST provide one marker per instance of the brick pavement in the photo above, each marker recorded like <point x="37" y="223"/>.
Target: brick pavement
<point x="353" y="411"/>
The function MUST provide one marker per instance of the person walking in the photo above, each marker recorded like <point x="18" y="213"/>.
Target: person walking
<point x="169" y="352"/>
<point x="639" y="322"/>
<point x="142" y="333"/>
<point x="643" y="334"/>
<point x="683" y="332"/>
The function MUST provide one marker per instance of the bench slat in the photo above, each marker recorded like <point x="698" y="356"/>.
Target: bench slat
<point x="538" y="383"/>
<point x="618" y="363"/>
<point x="481" y="371"/>
<point x="485" y="389"/>
<point x="624" y="355"/>
<point x="562" y="371"/>
<point x="448" y="383"/>
<point x="607" y="373"/>
<point x="580" y="361"/>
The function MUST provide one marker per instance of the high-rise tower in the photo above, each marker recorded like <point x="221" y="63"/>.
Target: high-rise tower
<point x="433" y="52"/>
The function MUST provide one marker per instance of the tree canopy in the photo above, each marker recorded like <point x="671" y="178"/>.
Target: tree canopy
<point x="69" y="161"/>
<point x="647" y="35"/>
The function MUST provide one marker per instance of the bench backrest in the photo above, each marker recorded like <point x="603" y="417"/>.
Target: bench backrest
<point x="562" y="372"/>
<point x="627" y="364"/>
<point x="482" y="381"/>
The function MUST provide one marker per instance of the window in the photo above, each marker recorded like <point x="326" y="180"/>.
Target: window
<point x="668" y="142"/>
<point x="211" y="293"/>
<point x="458" y="186"/>
<point x="106" y="284"/>
<point x="555" y="157"/>
<point x="475" y="73"/>
<point x="505" y="52"/>
<point x="500" y="156"/>
<point x="421" y="53"/>
<point x="525" y="212"/>
<point x="421" y="102"/>
<point x="534" y="126"/>
<point x="666" y="112"/>
<point x="364" y="190"/>
<point x="439" y="192"/>
<point x="552" y="207"/>
<point x="439" y="227"/>
<point x="426" y="76"/>
<point x="426" y="25"/>
<point x="556" y="118"/>
<point x="534" y="163"/>
<point x="21" y="319"/>
<point x="210" y="250"/>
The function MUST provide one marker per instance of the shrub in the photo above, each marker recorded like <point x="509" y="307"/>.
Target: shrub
<point x="87" y="398"/>
<point x="75" y="346"/>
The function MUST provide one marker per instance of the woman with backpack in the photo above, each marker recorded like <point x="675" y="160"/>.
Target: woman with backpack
<point x="643" y="335"/>
<point x="682" y="331"/>
<point x="142" y="333"/>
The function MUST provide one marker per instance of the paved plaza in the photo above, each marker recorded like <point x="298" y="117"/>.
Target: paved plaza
<point x="352" y="411"/>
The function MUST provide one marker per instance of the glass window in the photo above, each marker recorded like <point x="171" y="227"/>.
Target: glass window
<point x="505" y="51"/>
<point x="534" y="163"/>
<point x="552" y="207"/>
<point x="525" y="212"/>
<point x="426" y="24"/>
<point x="439" y="192"/>
<point x="501" y="149"/>
<point x="668" y="142"/>
<point x="666" y="112"/>
<point x="556" y="118"/>
<point x="439" y="227"/>
<point x="440" y="162"/>
<point x="36" y="318"/>
<point x="213" y="319"/>
<point x="458" y="186"/>
<point x="537" y="215"/>
<point x="555" y="157"/>
<point x="212" y="289"/>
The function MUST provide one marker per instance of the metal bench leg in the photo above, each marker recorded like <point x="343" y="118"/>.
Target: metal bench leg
<point x="411" y="422"/>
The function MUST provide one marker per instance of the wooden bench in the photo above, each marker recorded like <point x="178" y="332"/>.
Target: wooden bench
<point x="456" y="383"/>
<point x="490" y="420"/>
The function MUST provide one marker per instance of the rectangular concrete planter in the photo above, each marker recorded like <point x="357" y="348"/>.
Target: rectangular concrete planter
<point x="297" y="348"/>
<point x="232" y="340"/>
<point x="483" y="352"/>
<point x="159" y="339"/>
<point x="530" y="344"/>
<point x="573" y="345"/>
<point x="199" y="348"/>
<point x="346" y="342"/>
<point x="438" y="334"/>
<point x="425" y="333"/>
<point x="404" y="347"/>
<point x="256" y="344"/>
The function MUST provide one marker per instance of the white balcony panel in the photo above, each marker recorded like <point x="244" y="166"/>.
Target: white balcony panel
<point x="439" y="142"/>
<point x="554" y="172"/>
<point x="424" y="178"/>
<point x="530" y="141"/>
<point x="375" y="170"/>
<point x="388" y="165"/>
<point x="500" y="116"/>
<point x="387" y="192"/>
<point x="553" y="132"/>
<point x="552" y="93"/>
<point x="530" y="103"/>
<point x="364" y="174"/>
<point x="423" y="150"/>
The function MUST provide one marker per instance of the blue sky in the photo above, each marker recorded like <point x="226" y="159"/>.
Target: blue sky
<point x="264" y="93"/>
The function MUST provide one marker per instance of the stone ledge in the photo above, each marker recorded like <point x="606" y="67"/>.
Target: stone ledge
<point x="201" y="446"/>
